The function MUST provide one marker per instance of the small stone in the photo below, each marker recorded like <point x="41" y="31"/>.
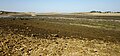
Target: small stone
<point x="95" y="50"/>
<point x="54" y="35"/>
<point x="1" y="32"/>
<point x="15" y="29"/>
<point x="1" y="49"/>
<point x="21" y="49"/>
<point x="27" y="27"/>
<point x="30" y="49"/>
<point x="24" y="23"/>
<point x="101" y="42"/>
<point x="7" y="41"/>
<point x="24" y="45"/>
<point x="29" y="30"/>
<point x="33" y="35"/>
<point x="56" y="42"/>
<point x="9" y="54"/>
<point x="38" y="44"/>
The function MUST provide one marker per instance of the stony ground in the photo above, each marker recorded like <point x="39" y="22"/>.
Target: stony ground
<point x="40" y="37"/>
<point x="20" y="45"/>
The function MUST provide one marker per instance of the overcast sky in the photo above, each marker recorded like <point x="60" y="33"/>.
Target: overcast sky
<point x="59" y="5"/>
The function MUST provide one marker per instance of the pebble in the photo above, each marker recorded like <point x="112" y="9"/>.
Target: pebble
<point x="21" y="49"/>
<point x="15" y="29"/>
<point x="1" y="49"/>
<point x="95" y="50"/>
<point x="54" y="35"/>
<point x="27" y="27"/>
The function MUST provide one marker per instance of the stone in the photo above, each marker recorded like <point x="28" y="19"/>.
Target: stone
<point x="54" y="35"/>
<point x="1" y="49"/>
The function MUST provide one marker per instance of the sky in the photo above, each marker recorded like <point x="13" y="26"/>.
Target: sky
<point x="59" y="5"/>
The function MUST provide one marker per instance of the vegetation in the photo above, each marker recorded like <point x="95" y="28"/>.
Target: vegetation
<point x="103" y="12"/>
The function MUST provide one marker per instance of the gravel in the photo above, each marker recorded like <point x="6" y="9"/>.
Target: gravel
<point x="20" y="45"/>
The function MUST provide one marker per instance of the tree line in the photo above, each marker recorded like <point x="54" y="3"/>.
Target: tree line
<point x="103" y="12"/>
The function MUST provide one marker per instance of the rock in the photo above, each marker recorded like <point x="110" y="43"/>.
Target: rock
<point x="15" y="29"/>
<point x="38" y="44"/>
<point x="33" y="35"/>
<point x="24" y="23"/>
<point x="29" y="30"/>
<point x="30" y="49"/>
<point x="1" y="49"/>
<point x="101" y="42"/>
<point x="21" y="49"/>
<point x="95" y="50"/>
<point x="24" y="45"/>
<point x="7" y="41"/>
<point x="56" y="42"/>
<point x="54" y="35"/>
<point x="27" y="27"/>
<point x="1" y="32"/>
